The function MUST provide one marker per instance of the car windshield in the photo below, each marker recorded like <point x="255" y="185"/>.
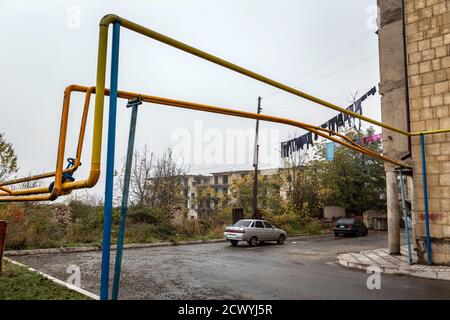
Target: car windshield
<point x="347" y="221"/>
<point x="242" y="223"/>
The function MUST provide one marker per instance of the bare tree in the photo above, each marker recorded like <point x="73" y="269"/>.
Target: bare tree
<point x="156" y="183"/>
<point x="353" y="100"/>
<point x="166" y="189"/>
<point x="84" y="196"/>
<point x="27" y="185"/>
<point x="141" y="172"/>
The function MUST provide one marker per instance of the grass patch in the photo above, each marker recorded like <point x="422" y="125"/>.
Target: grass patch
<point x="17" y="283"/>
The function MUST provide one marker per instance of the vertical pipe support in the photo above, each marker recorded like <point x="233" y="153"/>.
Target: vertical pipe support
<point x="393" y="211"/>
<point x="125" y="193"/>
<point x="405" y="216"/>
<point x="425" y="198"/>
<point x="109" y="184"/>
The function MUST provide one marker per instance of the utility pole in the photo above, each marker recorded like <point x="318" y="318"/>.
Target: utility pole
<point x="256" y="214"/>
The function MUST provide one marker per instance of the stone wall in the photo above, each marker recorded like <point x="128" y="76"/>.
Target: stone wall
<point x="428" y="45"/>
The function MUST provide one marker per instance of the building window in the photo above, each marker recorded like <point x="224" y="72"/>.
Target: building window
<point x="225" y="179"/>
<point x="225" y="190"/>
<point x="216" y="180"/>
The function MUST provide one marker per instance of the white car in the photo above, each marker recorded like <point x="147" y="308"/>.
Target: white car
<point x="253" y="231"/>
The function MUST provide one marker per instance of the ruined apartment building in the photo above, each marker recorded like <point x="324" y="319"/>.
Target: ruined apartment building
<point x="219" y="182"/>
<point x="414" y="44"/>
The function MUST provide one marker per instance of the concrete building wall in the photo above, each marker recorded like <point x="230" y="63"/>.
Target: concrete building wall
<point x="428" y="45"/>
<point x="331" y="212"/>
<point x="394" y="109"/>
<point x="392" y="84"/>
<point x="192" y="184"/>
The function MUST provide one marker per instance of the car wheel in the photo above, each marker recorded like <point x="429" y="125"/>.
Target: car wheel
<point x="234" y="243"/>
<point x="281" y="239"/>
<point x="253" y="241"/>
<point x="336" y="234"/>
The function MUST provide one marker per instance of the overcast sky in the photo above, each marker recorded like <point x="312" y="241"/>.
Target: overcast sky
<point x="323" y="47"/>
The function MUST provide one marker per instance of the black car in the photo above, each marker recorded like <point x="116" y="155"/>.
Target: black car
<point x="350" y="226"/>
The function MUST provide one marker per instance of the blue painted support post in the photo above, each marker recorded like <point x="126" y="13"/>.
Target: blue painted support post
<point x="109" y="184"/>
<point x="425" y="198"/>
<point x="405" y="217"/>
<point x="125" y="192"/>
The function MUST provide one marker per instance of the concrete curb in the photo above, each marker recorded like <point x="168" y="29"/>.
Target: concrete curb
<point x="391" y="264"/>
<point x="55" y="280"/>
<point x="15" y="253"/>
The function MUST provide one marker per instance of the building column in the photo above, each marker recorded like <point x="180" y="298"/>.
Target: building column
<point x="393" y="212"/>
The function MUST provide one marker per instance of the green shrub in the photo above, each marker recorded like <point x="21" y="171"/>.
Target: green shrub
<point x="144" y="214"/>
<point x="40" y="226"/>
<point x="16" y="233"/>
<point x="313" y="227"/>
<point x="79" y="209"/>
<point x="42" y="230"/>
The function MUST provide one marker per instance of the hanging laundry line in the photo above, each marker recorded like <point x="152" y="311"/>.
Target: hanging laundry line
<point x="330" y="147"/>
<point x="369" y="139"/>
<point x="341" y="120"/>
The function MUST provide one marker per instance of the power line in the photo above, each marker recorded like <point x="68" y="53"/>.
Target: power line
<point x="308" y="102"/>
<point x="304" y="129"/>
<point x="352" y="44"/>
<point x="331" y="73"/>
<point x="340" y="70"/>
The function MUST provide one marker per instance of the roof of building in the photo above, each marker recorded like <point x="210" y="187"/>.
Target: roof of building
<point x="245" y="171"/>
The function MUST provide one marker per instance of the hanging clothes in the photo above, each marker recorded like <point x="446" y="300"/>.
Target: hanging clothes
<point x="372" y="91"/>
<point x="310" y="139"/>
<point x="369" y="139"/>
<point x="340" y="121"/>
<point x="334" y="124"/>
<point x="358" y="106"/>
<point x="329" y="151"/>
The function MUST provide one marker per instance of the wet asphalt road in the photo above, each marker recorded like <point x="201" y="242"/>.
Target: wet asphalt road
<point x="303" y="268"/>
